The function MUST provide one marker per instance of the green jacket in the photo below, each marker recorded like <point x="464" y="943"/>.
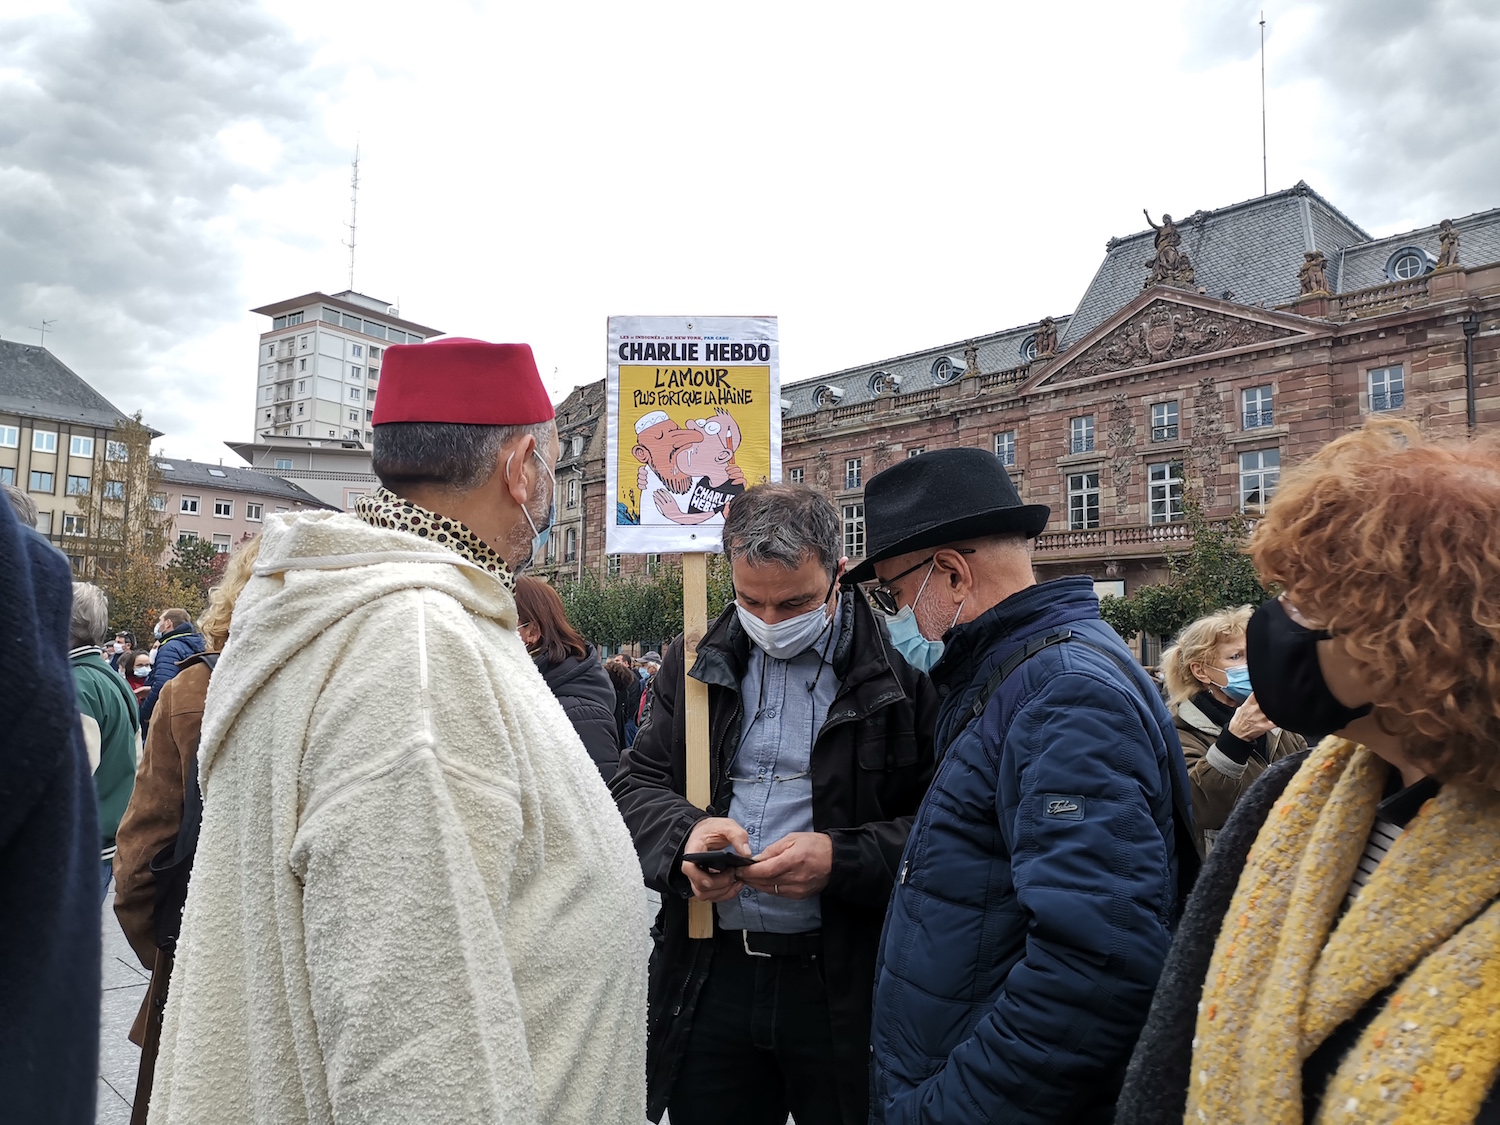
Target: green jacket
<point x="113" y="725"/>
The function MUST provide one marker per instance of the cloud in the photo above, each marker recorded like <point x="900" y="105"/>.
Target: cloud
<point x="126" y="131"/>
<point x="1408" y="96"/>
<point x="1226" y="32"/>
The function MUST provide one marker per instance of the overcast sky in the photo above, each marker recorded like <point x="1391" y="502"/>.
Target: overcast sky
<point x="883" y="177"/>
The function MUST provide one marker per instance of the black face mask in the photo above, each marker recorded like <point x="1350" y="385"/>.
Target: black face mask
<point x="1289" y="684"/>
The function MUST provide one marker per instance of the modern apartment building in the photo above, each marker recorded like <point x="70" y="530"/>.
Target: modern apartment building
<point x="319" y="364"/>
<point x="318" y="372"/>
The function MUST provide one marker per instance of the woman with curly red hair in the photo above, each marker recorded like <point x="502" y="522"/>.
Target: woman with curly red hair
<point x="1340" y="958"/>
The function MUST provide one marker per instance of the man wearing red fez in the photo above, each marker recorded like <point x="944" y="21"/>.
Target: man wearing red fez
<point x="413" y="898"/>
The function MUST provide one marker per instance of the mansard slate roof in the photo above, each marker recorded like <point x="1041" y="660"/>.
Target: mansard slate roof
<point x="34" y="382"/>
<point x="1248" y="253"/>
<point x="1363" y="265"/>
<point x="998" y="351"/>
<point x="179" y="472"/>
<point x="579" y="414"/>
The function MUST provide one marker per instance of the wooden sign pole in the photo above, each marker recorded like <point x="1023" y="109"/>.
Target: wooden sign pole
<point x="695" y="698"/>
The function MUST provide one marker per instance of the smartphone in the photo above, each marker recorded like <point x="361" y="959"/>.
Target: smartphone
<point x="719" y="860"/>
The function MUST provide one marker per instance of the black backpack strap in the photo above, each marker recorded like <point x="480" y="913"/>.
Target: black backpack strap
<point x="1009" y="665"/>
<point x="1188" y="861"/>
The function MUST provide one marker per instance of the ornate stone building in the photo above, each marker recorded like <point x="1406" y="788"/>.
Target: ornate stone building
<point x="1201" y="360"/>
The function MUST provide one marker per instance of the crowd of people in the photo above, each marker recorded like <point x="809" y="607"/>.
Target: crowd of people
<point x="380" y="822"/>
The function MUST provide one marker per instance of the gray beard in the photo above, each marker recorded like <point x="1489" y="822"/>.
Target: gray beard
<point x="517" y="552"/>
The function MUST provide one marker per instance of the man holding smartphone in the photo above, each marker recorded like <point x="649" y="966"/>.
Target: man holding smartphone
<point x="821" y="749"/>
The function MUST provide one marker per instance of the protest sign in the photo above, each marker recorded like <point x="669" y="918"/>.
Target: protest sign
<point x="694" y="419"/>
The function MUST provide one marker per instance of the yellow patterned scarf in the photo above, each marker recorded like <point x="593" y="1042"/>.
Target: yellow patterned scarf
<point x="1284" y="976"/>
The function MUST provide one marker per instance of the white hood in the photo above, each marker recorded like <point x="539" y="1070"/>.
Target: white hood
<point x="314" y="569"/>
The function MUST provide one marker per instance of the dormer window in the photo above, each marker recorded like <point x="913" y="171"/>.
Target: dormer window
<point x="944" y="370"/>
<point x="1407" y="263"/>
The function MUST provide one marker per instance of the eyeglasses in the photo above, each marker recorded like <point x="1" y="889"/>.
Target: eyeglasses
<point x="884" y="598"/>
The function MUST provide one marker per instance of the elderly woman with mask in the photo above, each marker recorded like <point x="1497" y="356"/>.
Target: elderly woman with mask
<point x="1340" y="958"/>
<point x="1226" y="737"/>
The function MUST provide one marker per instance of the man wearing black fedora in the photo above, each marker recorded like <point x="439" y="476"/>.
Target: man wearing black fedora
<point x="1044" y="871"/>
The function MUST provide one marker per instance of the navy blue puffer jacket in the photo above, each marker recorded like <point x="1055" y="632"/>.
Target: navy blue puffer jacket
<point x="182" y="642"/>
<point x="1036" y="895"/>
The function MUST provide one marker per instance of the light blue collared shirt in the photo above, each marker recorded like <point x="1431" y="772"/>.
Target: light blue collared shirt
<point x="786" y="703"/>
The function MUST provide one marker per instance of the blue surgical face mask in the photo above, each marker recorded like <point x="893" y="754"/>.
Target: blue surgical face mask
<point x="540" y="535"/>
<point x="1237" y="682"/>
<point x="921" y="653"/>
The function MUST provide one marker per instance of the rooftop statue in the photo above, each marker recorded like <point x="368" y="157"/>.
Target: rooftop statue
<point x="1046" y="338"/>
<point x="1169" y="265"/>
<point x="1313" y="276"/>
<point x="1448" y="240"/>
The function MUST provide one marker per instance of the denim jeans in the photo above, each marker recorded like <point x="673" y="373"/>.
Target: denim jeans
<point x="107" y="870"/>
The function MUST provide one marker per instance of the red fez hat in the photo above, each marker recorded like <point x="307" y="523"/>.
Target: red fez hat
<point x="464" y="381"/>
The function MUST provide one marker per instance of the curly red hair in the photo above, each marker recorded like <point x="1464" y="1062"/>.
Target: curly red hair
<point x="1393" y="543"/>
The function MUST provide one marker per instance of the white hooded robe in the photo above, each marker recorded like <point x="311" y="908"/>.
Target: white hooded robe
<point x="413" y="898"/>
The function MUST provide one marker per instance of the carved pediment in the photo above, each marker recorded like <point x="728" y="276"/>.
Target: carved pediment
<point x="1163" y="331"/>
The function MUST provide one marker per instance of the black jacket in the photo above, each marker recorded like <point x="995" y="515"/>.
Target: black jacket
<point x="587" y="695"/>
<point x="49" y="849"/>
<point x="871" y="764"/>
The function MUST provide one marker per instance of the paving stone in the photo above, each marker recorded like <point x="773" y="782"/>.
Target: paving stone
<point x="118" y="973"/>
<point x="119" y="1058"/>
<point x="111" y="1108"/>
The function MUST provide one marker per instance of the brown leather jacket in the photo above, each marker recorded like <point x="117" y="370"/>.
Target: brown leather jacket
<point x="155" y="811"/>
<point x="1215" y="780"/>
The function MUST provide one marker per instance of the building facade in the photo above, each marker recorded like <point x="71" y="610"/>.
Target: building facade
<point x="83" y="462"/>
<point x="223" y="504"/>
<point x="1205" y="357"/>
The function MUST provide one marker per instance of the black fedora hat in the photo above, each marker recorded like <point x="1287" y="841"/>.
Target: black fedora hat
<point x="945" y="496"/>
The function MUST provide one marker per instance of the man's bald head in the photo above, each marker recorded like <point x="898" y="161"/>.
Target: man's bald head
<point x="957" y="582"/>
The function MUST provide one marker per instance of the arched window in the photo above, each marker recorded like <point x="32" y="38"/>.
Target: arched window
<point x="944" y="370"/>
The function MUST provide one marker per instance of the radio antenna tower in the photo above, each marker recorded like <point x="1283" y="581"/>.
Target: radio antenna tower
<point x="353" y="222"/>
<point x="44" y="328"/>
<point x="1265" y="181"/>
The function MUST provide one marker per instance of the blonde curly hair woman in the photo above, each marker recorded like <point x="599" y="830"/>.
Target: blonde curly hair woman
<point x="1226" y="738"/>
<point x="1340" y="958"/>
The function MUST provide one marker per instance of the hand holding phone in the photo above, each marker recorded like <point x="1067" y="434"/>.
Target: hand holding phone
<point x="714" y="836"/>
<point x="719" y="860"/>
